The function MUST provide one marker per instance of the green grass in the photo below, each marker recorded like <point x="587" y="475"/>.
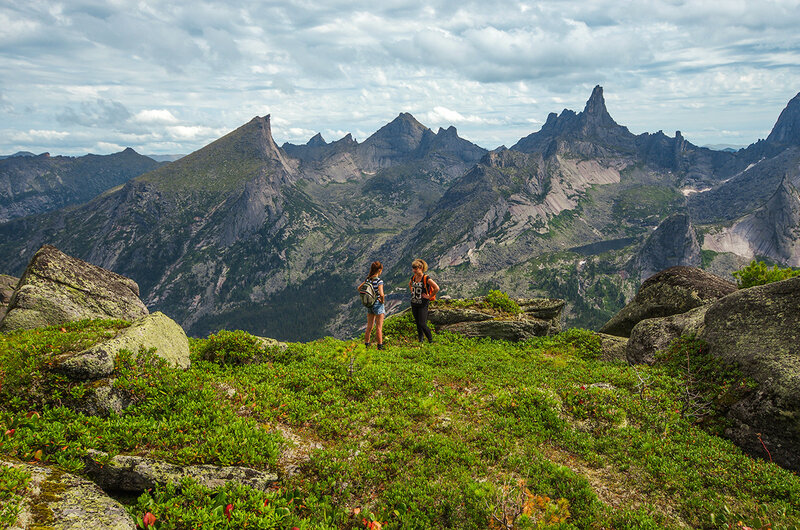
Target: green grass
<point x="463" y="433"/>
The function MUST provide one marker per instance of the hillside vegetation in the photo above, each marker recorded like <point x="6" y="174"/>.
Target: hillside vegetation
<point x="462" y="433"/>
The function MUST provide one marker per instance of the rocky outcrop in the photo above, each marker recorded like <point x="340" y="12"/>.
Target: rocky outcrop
<point x="654" y="334"/>
<point x="62" y="501"/>
<point x="7" y="286"/>
<point x="473" y="318"/>
<point x="672" y="244"/>
<point x="57" y="288"/>
<point x="758" y="329"/>
<point x="153" y="331"/>
<point x="669" y="292"/>
<point x="135" y="474"/>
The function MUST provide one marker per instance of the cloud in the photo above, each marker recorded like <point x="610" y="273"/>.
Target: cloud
<point x="166" y="73"/>
<point x="444" y="115"/>
<point x="35" y="136"/>
<point x="154" y="116"/>
<point x="97" y="113"/>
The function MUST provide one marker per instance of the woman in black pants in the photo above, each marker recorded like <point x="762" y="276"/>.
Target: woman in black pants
<point x="423" y="290"/>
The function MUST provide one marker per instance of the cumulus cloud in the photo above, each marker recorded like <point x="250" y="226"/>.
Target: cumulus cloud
<point x="154" y="116"/>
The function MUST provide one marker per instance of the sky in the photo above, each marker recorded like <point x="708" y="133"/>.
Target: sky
<point x="168" y="77"/>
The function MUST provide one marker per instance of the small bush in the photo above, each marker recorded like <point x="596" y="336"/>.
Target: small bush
<point x="757" y="273"/>
<point x="13" y="483"/>
<point x="232" y="347"/>
<point x="500" y="301"/>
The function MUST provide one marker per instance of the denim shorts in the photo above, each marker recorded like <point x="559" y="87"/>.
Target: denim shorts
<point x="377" y="308"/>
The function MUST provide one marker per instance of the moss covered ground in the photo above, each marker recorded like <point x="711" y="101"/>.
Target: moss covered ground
<point x="462" y="433"/>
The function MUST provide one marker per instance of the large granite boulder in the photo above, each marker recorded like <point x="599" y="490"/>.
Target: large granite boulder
<point x="670" y="292"/>
<point x="759" y="329"/>
<point x="654" y="334"/>
<point x="153" y="331"/>
<point x="57" y="288"/>
<point x="7" y="286"/>
<point x="473" y="318"/>
<point x="135" y="474"/>
<point x="62" y="501"/>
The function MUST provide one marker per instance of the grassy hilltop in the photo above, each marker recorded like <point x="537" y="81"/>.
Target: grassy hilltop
<point x="463" y="433"/>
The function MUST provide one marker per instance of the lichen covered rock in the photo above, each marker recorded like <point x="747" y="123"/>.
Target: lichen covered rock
<point x="153" y="331"/>
<point x="670" y="292"/>
<point x="136" y="474"/>
<point x="57" y="288"/>
<point x="758" y="329"/>
<point x="654" y="334"/>
<point x="7" y="286"/>
<point x="476" y="318"/>
<point x="61" y="501"/>
<point x="612" y="347"/>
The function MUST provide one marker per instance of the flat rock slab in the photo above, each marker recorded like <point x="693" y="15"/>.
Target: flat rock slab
<point x="62" y="501"/>
<point x="57" y="288"/>
<point x="153" y="331"/>
<point x="509" y="330"/>
<point x="136" y="474"/>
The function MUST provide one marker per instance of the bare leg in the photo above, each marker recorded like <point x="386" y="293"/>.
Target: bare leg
<point x="370" y="323"/>
<point x="379" y="328"/>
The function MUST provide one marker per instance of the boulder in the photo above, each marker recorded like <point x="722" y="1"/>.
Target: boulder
<point x="62" y="501"/>
<point x="653" y="334"/>
<point x="153" y="331"/>
<point x="612" y="347"/>
<point x="670" y="292"/>
<point x="135" y="474"/>
<point x="57" y="288"/>
<point x="7" y="286"/>
<point x="759" y="330"/>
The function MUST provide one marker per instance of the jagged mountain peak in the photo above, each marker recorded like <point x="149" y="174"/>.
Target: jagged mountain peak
<point x="596" y="104"/>
<point x="404" y="124"/>
<point x="316" y="140"/>
<point x="594" y="122"/>
<point x="787" y="128"/>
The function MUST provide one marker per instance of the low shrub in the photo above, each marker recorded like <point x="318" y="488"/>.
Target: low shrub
<point x="232" y="347"/>
<point x="757" y="273"/>
<point x="501" y="301"/>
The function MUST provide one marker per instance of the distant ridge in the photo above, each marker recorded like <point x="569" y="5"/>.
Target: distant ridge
<point x="243" y="233"/>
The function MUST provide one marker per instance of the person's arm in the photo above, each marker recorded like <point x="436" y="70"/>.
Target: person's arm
<point x="432" y="289"/>
<point x="380" y="293"/>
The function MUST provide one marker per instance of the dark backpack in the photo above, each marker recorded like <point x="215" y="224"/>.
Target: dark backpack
<point x="367" y="293"/>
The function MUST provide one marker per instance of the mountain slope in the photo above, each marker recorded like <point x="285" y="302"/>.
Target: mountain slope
<point x="34" y="184"/>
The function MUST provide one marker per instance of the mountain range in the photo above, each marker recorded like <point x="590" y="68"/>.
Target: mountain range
<point x="32" y="184"/>
<point x="247" y="234"/>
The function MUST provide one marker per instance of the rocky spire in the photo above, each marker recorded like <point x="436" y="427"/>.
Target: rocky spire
<point x="316" y="140"/>
<point x="787" y="128"/>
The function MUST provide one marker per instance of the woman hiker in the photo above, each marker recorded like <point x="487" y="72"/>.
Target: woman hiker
<point x="377" y="312"/>
<point x="423" y="290"/>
